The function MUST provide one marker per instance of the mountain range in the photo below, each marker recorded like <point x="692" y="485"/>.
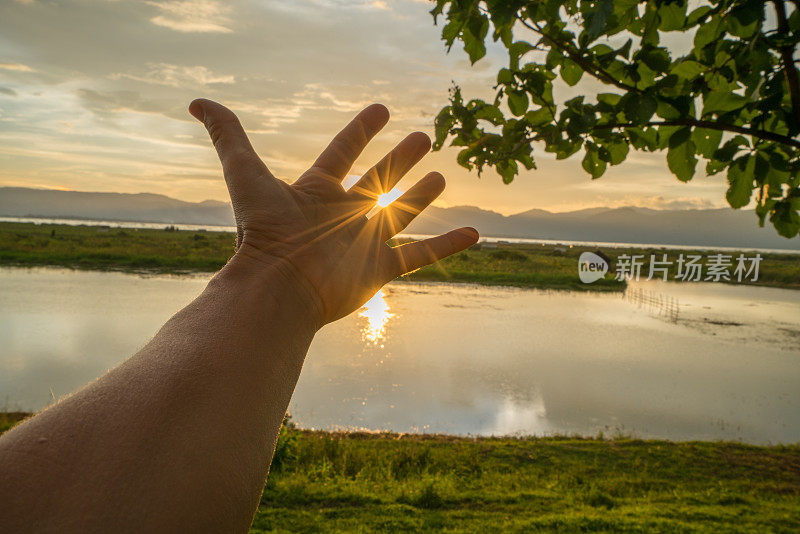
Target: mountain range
<point x="696" y="227"/>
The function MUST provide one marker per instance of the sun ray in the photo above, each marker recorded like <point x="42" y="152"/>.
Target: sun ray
<point x="384" y="199"/>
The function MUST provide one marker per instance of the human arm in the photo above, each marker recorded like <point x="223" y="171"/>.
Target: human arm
<point x="180" y="436"/>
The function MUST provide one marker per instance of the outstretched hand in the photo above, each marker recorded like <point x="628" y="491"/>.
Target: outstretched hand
<point x="314" y="233"/>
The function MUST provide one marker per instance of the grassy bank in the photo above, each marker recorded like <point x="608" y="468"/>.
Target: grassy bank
<point x="324" y="482"/>
<point x="88" y="247"/>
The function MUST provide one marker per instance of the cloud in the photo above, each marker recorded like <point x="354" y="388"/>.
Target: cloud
<point x="19" y="67"/>
<point x="102" y="89"/>
<point x="192" y="16"/>
<point x="176" y="75"/>
<point x="7" y="91"/>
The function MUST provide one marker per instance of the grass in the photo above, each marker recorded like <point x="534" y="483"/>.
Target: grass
<point x="325" y="482"/>
<point x="171" y="251"/>
<point x="334" y="482"/>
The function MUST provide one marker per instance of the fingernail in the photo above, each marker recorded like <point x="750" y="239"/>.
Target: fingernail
<point x="472" y="232"/>
<point x="377" y="116"/>
<point x="197" y="111"/>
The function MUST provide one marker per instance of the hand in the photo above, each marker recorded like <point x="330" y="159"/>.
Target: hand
<point x="315" y="234"/>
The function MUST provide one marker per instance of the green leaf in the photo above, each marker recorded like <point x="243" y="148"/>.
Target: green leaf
<point x="681" y="154"/>
<point x="518" y="103"/>
<point x="657" y="58"/>
<point x="473" y="35"/>
<point x="777" y="171"/>
<point x="740" y="180"/>
<point x="505" y="76"/>
<point x="687" y="69"/>
<point x="715" y="166"/>
<point x="474" y="48"/>
<point x="508" y="170"/>
<point x="592" y="163"/>
<point x="489" y="113"/>
<point x="668" y="110"/>
<point x="706" y="141"/>
<point x="722" y="102"/>
<point x="617" y="151"/>
<point x="709" y="32"/>
<point x="785" y="218"/>
<point x="444" y="121"/>
<point x="463" y="158"/>
<point x="672" y="16"/>
<point x="450" y="32"/>
<point x="643" y="138"/>
<point x="731" y="147"/>
<point x="745" y="18"/>
<point x="696" y="15"/>
<point x="639" y="108"/>
<point x="539" y="117"/>
<point x="650" y="24"/>
<point x="610" y="99"/>
<point x="571" y="72"/>
<point x="595" y="20"/>
<point x="516" y="51"/>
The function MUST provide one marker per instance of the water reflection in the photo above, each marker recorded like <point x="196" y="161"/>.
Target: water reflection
<point x="529" y="362"/>
<point x="519" y="417"/>
<point x="376" y="312"/>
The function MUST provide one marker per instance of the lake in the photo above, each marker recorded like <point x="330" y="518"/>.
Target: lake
<point x="665" y="360"/>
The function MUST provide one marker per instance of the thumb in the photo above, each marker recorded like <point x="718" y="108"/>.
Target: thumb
<point x="231" y="142"/>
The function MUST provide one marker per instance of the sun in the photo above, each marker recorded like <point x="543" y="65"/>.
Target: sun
<point x="385" y="199"/>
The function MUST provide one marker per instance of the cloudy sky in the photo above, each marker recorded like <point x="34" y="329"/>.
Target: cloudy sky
<point x="93" y="97"/>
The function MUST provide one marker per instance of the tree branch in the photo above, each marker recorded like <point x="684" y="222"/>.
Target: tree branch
<point x="587" y="66"/>
<point x="787" y="57"/>
<point x="711" y="125"/>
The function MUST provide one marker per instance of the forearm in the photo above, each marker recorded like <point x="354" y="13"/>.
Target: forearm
<point x="178" y="436"/>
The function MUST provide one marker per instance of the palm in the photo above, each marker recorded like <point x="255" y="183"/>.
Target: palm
<point x="314" y="231"/>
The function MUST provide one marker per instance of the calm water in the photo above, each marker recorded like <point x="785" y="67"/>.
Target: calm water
<point x="709" y="362"/>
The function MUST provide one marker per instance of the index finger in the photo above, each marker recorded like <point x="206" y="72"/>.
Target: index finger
<point x="343" y="150"/>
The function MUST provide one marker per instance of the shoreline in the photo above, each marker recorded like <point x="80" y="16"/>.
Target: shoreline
<point x="182" y="252"/>
<point x="495" y="238"/>
<point x="10" y="419"/>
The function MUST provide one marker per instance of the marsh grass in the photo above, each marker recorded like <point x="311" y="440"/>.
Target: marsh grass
<point x="179" y="251"/>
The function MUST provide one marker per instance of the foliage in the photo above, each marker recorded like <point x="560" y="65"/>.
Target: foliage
<point x="286" y="445"/>
<point x="733" y="100"/>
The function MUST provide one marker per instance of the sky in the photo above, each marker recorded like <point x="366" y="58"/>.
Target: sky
<point x="94" y="96"/>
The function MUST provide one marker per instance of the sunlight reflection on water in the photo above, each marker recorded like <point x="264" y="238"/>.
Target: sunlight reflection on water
<point x="376" y="312"/>
<point x="457" y="358"/>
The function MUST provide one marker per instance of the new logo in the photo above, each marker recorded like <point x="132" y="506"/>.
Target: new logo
<point x="591" y="267"/>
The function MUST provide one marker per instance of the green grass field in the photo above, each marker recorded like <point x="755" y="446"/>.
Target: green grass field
<point x="524" y="265"/>
<point x="340" y="482"/>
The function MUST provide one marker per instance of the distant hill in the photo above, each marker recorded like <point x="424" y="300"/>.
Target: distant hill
<point x="712" y="227"/>
<point x="143" y="207"/>
<point x="722" y="227"/>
